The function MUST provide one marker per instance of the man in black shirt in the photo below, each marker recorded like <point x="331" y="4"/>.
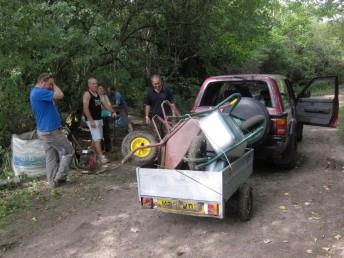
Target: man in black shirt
<point x="155" y="96"/>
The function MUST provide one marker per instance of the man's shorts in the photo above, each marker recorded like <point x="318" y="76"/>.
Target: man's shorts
<point x="97" y="133"/>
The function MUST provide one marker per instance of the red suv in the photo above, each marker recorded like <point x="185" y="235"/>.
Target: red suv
<point x="274" y="97"/>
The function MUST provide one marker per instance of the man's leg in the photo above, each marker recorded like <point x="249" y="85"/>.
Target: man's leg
<point x="51" y="155"/>
<point x="98" y="147"/>
<point x="66" y="152"/>
<point x="97" y="136"/>
<point x="106" y="133"/>
<point x="127" y="123"/>
<point x="52" y="164"/>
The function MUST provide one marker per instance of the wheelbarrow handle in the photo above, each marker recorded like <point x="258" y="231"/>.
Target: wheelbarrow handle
<point x="230" y="101"/>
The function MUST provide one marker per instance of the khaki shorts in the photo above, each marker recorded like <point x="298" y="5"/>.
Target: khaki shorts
<point x="97" y="133"/>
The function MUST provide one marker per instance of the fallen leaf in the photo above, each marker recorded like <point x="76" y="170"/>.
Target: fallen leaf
<point x="307" y="203"/>
<point x="315" y="215"/>
<point x="134" y="230"/>
<point x="285" y="241"/>
<point x="267" y="241"/>
<point x="282" y="207"/>
<point x="326" y="188"/>
<point x="286" y="194"/>
<point x="34" y="219"/>
<point x="309" y="251"/>
<point x="338" y="237"/>
<point x="326" y="248"/>
<point x="180" y="253"/>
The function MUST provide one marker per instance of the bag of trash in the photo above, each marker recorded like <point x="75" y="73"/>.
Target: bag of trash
<point x="28" y="155"/>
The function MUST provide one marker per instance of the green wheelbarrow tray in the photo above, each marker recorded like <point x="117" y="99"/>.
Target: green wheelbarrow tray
<point x="205" y="161"/>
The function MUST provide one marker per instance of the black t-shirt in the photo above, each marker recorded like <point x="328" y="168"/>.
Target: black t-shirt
<point x="154" y="100"/>
<point x="95" y="107"/>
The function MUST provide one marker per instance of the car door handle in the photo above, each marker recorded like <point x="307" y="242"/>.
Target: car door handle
<point x="318" y="110"/>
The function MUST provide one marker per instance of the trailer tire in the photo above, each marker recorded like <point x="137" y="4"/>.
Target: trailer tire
<point x="245" y="202"/>
<point x="135" y="139"/>
<point x="197" y="149"/>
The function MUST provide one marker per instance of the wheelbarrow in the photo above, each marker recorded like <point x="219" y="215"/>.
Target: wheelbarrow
<point x="226" y="136"/>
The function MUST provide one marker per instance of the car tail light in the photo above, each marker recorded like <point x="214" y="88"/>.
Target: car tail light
<point x="280" y="126"/>
<point x="211" y="208"/>
<point x="147" y="202"/>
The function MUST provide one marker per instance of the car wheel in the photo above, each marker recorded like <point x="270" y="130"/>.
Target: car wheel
<point x="289" y="156"/>
<point x="245" y="202"/>
<point x="137" y="139"/>
<point x="299" y="131"/>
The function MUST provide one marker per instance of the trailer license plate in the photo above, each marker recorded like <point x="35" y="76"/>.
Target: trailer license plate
<point x="179" y="205"/>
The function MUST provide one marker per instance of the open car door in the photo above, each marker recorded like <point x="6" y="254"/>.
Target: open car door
<point x="317" y="103"/>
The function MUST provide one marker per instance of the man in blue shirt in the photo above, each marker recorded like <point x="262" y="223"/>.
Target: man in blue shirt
<point x="59" y="151"/>
<point x="121" y="107"/>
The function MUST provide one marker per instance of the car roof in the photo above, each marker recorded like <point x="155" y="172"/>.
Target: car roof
<point x="247" y="77"/>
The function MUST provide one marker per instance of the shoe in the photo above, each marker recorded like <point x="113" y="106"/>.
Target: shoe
<point x="58" y="183"/>
<point x="102" y="159"/>
<point x="61" y="181"/>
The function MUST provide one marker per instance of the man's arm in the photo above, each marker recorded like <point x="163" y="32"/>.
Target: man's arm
<point x="147" y="110"/>
<point x="58" y="94"/>
<point x="85" y="103"/>
<point x="175" y="111"/>
<point x="107" y="105"/>
<point x="172" y="101"/>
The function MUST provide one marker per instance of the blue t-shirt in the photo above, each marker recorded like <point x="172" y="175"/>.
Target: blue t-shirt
<point x="117" y="99"/>
<point x="44" y="109"/>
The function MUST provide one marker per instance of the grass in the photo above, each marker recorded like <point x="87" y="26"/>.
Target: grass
<point x="14" y="199"/>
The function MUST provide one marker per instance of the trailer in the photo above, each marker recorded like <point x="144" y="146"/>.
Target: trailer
<point x="201" y="163"/>
<point x="198" y="193"/>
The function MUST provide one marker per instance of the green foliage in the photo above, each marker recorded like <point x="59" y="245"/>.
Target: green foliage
<point x="341" y="123"/>
<point x="12" y="200"/>
<point x="123" y="42"/>
<point x="5" y="164"/>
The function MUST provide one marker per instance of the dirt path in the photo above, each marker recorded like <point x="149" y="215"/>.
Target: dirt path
<point x="298" y="213"/>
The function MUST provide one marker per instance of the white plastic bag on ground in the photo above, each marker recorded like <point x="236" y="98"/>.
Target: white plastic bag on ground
<point x="28" y="155"/>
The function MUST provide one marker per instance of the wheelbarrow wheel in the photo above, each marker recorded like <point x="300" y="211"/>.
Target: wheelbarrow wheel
<point x="245" y="202"/>
<point x="197" y="149"/>
<point x="136" y="139"/>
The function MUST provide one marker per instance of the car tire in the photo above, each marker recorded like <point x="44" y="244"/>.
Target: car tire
<point x="197" y="149"/>
<point x="299" y="131"/>
<point x="245" y="202"/>
<point x="249" y="107"/>
<point x="135" y="139"/>
<point x="289" y="156"/>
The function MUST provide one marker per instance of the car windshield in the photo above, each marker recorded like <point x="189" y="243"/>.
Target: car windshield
<point x="217" y="91"/>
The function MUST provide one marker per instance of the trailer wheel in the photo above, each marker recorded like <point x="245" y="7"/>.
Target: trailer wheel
<point x="245" y="203"/>
<point x="137" y="139"/>
<point x="197" y="149"/>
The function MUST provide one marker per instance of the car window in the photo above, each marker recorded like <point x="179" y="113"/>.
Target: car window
<point x="215" y="92"/>
<point x="285" y="96"/>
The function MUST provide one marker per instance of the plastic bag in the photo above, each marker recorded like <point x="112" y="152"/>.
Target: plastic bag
<point x="28" y="155"/>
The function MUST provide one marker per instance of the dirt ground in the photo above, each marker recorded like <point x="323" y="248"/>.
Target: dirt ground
<point x="298" y="213"/>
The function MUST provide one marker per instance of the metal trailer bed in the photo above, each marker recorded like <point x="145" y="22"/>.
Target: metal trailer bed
<point x="197" y="193"/>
